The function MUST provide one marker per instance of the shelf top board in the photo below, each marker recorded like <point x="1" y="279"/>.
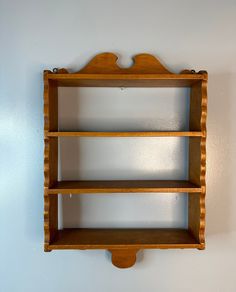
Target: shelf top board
<point x="103" y="71"/>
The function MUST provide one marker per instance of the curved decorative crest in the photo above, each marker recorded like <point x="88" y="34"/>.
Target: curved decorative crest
<point x="107" y="63"/>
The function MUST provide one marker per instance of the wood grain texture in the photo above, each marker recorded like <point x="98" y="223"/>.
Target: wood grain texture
<point x="103" y="71"/>
<point x="50" y="159"/>
<point x="146" y="71"/>
<point x="203" y="164"/>
<point x="50" y="124"/>
<point x="123" y="258"/>
<point x="50" y="219"/>
<point x="197" y="160"/>
<point x="124" y="243"/>
<point x="196" y="217"/>
<point x="198" y="106"/>
<point x="123" y="186"/>
<point x="106" y="63"/>
<point x="128" y="238"/>
<point x="195" y="113"/>
<point x="125" y="80"/>
<point x="125" y="134"/>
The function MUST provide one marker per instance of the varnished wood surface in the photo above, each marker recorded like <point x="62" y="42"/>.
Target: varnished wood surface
<point x="124" y="80"/>
<point x="197" y="159"/>
<point x="50" y="160"/>
<point x="196" y="215"/>
<point x="106" y="63"/>
<point x="103" y="71"/>
<point x="195" y="111"/>
<point x="146" y="71"/>
<point x="85" y="238"/>
<point x="123" y="186"/>
<point x="123" y="258"/>
<point x="123" y="134"/>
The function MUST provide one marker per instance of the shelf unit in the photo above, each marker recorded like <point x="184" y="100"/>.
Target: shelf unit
<point x="146" y="71"/>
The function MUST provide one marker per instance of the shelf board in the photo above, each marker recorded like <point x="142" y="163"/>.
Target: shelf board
<point x="84" y="238"/>
<point x="125" y="80"/>
<point x="124" y="134"/>
<point x="124" y="186"/>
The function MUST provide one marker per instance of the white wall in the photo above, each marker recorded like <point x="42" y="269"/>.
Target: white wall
<point x="44" y="34"/>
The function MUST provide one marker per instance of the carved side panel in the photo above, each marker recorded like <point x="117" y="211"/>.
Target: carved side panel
<point x="197" y="159"/>
<point x="196" y="220"/>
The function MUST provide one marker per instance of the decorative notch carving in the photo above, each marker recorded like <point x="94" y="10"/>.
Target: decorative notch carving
<point x="106" y="63"/>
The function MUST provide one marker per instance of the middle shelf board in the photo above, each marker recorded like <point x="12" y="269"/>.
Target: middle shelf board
<point x="124" y="134"/>
<point x="124" y="186"/>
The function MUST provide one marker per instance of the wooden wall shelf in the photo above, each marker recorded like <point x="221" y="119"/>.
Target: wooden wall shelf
<point x="146" y="71"/>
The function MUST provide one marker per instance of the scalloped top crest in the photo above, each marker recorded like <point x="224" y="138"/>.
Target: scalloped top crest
<point x="106" y="63"/>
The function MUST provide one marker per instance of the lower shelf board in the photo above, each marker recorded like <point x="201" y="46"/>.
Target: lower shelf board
<point x="124" y="186"/>
<point x="131" y="238"/>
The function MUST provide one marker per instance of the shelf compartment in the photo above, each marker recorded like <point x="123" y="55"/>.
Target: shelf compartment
<point x="124" y="186"/>
<point x="86" y="238"/>
<point x="124" y="134"/>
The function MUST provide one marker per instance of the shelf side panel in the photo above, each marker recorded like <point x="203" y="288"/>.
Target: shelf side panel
<point x="50" y="104"/>
<point x="196" y="216"/>
<point x="50" y="124"/>
<point x="50" y="219"/>
<point x="195" y="107"/>
<point x="50" y="160"/>
<point x="197" y="146"/>
<point x="197" y="160"/>
<point x="50" y="177"/>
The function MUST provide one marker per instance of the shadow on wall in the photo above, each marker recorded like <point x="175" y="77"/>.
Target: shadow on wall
<point x="219" y="163"/>
<point x="220" y="183"/>
<point x="123" y="109"/>
<point x="127" y="109"/>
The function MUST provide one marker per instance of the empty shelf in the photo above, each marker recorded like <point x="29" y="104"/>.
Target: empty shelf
<point x="125" y="80"/>
<point x="84" y="238"/>
<point x="124" y="134"/>
<point x="124" y="186"/>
